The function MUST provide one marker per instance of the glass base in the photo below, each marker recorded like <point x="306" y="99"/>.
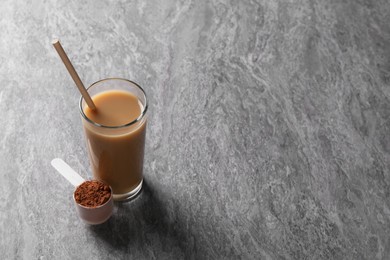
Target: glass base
<point x="129" y="195"/>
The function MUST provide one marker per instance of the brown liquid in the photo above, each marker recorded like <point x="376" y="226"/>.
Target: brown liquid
<point x="116" y="154"/>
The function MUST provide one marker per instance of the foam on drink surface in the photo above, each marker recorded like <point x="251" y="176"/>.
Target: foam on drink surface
<point x="114" y="108"/>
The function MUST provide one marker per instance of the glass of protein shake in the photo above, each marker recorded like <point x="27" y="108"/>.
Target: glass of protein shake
<point x="115" y="134"/>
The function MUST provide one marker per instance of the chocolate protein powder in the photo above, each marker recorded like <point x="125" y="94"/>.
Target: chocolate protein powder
<point x="92" y="194"/>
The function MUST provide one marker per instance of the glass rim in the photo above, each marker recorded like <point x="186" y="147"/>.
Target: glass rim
<point x="141" y="116"/>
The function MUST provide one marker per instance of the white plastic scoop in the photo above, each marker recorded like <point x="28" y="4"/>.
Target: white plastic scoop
<point x="65" y="170"/>
<point x="93" y="216"/>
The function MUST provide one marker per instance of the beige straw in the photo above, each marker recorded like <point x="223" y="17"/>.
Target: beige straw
<point x="57" y="45"/>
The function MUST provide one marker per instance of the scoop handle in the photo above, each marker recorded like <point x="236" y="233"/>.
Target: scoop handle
<point x="65" y="170"/>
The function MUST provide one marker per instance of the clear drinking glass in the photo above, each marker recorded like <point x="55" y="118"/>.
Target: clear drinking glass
<point x="116" y="153"/>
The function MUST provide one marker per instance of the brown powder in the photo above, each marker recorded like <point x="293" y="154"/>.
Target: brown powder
<point x="92" y="194"/>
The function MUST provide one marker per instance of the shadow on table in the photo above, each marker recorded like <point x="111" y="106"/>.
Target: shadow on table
<point x="143" y="223"/>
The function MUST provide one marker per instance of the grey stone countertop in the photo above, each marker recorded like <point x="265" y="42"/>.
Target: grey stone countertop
<point x="268" y="134"/>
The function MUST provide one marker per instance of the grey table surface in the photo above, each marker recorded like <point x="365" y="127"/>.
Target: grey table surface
<point x="268" y="134"/>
